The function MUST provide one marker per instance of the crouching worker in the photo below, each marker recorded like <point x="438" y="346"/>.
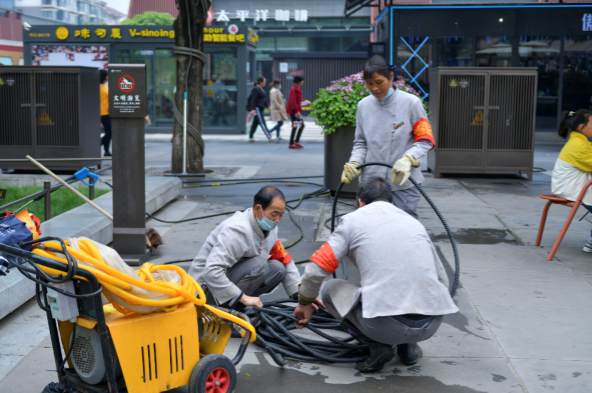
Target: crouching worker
<point x="242" y="258"/>
<point x="404" y="288"/>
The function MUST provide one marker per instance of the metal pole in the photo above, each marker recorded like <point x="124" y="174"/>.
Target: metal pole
<point x="91" y="189"/>
<point x="47" y="200"/>
<point x="185" y="134"/>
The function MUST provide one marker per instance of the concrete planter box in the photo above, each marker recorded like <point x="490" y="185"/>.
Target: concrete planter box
<point x="338" y="148"/>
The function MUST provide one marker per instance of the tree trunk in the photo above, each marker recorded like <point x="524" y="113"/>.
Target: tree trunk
<point x="196" y="16"/>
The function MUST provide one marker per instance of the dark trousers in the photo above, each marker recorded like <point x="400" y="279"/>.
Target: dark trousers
<point x="277" y="128"/>
<point x="106" y="139"/>
<point x="254" y="276"/>
<point x="296" y="131"/>
<point x="256" y="122"/>
<point x="393" y="330"/>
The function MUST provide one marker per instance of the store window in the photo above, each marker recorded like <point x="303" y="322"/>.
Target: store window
<point x="545" y="55"/>
<point x="454" y="52"/>
<point x="577" y="74"/>
<point x="220" y="76"/>
<point x="165" y="78"/>
<point x="324" y="44"/>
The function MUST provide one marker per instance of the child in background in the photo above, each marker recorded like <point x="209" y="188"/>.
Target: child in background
<point x="574" y="165"/>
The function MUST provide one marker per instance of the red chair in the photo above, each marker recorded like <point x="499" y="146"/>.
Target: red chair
<point x="555" y="200"/>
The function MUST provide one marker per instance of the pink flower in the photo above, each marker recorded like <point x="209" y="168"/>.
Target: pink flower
<point x="361" y="93"/>
<point x="345" y="98"/>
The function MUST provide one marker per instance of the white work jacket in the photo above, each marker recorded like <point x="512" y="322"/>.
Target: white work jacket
<point x="235" y="239"/>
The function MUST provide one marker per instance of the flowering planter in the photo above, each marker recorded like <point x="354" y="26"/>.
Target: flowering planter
<point x="338" y="147"/>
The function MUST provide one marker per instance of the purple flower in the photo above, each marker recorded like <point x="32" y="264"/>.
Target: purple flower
<point x="361" y="93"/>
<point x="345" y="98"/>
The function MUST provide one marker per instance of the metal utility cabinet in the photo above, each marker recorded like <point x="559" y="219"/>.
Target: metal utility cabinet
<point x="483" y="120"/>
<point x="49" y="112"/>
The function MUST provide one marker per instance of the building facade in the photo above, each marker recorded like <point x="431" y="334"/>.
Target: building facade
<point x="75" y="12"/>
<point x="227" y="72"/>
<point x="554" y="38"/>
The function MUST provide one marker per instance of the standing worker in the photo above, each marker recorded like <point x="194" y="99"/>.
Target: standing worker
<point x="391" y="127"/>
<point x="294" y="109"/>
<point x="105" y="118"/>
<point x="278" y="107"/>
<point x="257" y="99"/>
<point x="404" y="288"/>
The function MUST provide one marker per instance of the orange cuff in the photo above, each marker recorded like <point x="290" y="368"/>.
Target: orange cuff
<point x="325" y="258"/>
<point x="423" y="130"/>
<point x="279" y="253"/>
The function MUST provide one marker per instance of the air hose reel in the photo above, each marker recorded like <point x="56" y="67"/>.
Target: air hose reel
<point x="454" y="284"/>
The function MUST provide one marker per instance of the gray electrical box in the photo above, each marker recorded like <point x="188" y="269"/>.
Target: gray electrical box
<point x="63" y="308"/>
<point x="483" y="120"/>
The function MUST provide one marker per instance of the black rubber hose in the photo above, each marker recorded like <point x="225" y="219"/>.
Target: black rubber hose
<point x="275" y="321"/>
<point x="454" y="284"/>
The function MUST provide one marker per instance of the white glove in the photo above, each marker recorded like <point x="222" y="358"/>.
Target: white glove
<point x="350" y="172"/>
<point x="402" y="169"/>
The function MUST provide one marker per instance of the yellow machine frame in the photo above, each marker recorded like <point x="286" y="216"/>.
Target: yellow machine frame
<point x="164" y="358"/>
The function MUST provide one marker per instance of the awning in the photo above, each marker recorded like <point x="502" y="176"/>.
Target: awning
<point x="352" y="6"/>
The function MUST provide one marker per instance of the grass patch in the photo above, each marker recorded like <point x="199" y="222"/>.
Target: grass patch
<point x="62" y="200"/>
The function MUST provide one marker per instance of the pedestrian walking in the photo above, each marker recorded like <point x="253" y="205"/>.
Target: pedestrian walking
<point x="278" y="107"/>
<point x="105" y="118"/>
<point x="573" y="167"/>
<point x="294" y="109"/>
<point x="257" y="100"/>
<point x="392" y="127"/>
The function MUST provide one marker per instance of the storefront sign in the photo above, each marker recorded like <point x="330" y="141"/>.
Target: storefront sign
<point x="97" y="35"/>
<point x="283" y="67"/>
<point x="587" y="22"/>
<point x="261" y="15"/>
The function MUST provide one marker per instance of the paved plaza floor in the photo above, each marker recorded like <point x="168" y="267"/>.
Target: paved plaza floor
<point x="523" y="324"/>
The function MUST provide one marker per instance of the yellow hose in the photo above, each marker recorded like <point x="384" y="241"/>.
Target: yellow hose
<point x="126" y="287"/>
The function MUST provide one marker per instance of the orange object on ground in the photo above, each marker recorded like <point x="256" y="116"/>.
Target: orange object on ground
<point x="555" y="200"/>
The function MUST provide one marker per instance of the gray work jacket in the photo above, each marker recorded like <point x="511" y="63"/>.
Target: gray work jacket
<point x="377" y="139"/>
<point x="235" y="239"/>
<point x="399" y="268"/>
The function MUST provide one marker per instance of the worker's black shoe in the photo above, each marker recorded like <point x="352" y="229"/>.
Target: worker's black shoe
<point x="380" y="354"/>
<point x="107" y="154"/>
<point x="409" y="353"/>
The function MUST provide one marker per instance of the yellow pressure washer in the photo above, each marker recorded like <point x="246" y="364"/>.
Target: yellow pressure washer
<point x="110" y="349"/>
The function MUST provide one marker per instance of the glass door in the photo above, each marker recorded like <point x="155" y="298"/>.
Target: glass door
<point x="165" y="78"/>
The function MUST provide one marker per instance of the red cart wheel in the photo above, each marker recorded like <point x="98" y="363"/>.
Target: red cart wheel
<point x="213" y="374"/>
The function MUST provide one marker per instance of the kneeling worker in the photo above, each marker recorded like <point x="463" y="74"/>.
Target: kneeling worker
<point x="404" y="288"/>
<point x="243" y="258"/>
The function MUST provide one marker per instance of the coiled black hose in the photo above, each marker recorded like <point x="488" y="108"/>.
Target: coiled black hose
<point x="274" y="323"/>
<point x="454" y="284"/>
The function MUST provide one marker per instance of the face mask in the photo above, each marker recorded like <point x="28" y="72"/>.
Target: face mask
<point x="390" y="93"/>
<point x="107" y="84"/>
<point x="279" y="87"/>
<point x="266" y="224"/>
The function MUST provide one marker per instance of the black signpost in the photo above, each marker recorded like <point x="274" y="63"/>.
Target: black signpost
<point x="127" y="108"/>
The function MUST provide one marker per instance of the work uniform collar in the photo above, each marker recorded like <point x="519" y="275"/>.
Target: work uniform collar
<point x="387" y="100"/>
<point x="253" y="220"/>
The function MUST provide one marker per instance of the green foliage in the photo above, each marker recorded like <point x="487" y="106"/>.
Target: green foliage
<point x="337" y="104"/>
<point x="62" y="200"/>
<point x="150" y="18"/>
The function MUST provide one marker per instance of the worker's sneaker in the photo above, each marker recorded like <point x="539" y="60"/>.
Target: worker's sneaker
<point x="107" y="154"/>
<point x="380" y="354"/>
<point x="293" y="146"/>
<point x="409" y="353"/>
<point x="299" y="145"/>
<point x="588" y="246"/>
